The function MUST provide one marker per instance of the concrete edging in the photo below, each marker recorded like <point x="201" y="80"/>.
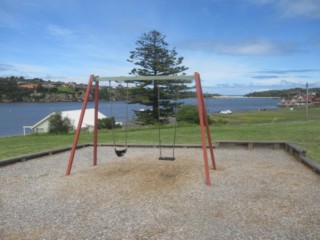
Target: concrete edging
<point x="10" y="161"/>
<point x="311" y="164"/>
<point x="293" y="149"/>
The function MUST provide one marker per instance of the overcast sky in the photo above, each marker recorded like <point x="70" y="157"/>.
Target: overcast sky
<point x="237" y="46"/>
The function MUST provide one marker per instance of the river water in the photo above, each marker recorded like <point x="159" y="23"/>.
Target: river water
<point x="13" y="116"/>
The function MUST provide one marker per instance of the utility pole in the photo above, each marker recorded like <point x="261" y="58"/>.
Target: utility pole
<point x="307" y="103"/>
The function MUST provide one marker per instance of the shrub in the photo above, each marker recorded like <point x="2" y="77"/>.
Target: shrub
<point x="188" y="113"/>
<point x="219" y="121"/>
<point x="107" y="123"/>
<point x="145" y="117"/>
<point x="58" y="125"/>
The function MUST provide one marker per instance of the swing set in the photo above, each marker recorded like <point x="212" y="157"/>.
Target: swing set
<point x="204" y="125"/>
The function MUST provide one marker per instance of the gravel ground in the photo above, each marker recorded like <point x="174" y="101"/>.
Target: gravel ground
<point x="256" y="194"/>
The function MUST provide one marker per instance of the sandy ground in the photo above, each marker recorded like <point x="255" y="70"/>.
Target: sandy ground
<point x="255" y="194"/>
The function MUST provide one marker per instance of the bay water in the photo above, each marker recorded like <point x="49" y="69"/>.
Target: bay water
<point x="13" y="116"/>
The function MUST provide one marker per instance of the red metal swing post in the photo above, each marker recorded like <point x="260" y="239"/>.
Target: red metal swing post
<point x="77" y="134"/>
<point x="203" y="117"/>
<point x="96" y="110"/>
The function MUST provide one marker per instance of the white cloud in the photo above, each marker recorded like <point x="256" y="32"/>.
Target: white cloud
<point x="77" y="79"/>
<point x="233" y="76"/>
<point x="287" y="71"/>
<point x="294" y="8"/>
<point x="7" y="67"/>
<point x="254" y="48"/>
<point x="24" y="70"/>
<point x="303" y="8"/>
<point x="58" y="31"/>
<point x="30" y="69"/>
<point x="216" y="69"/>
<point x="258" y="47"/>
<point x="245" y="88"/>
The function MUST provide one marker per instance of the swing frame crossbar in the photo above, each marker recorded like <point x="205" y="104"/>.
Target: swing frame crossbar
<point x="145" y="78"/>
<point x="204" y="125"/>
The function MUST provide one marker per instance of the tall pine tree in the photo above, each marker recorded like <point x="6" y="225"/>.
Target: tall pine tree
<point x="153" y="57"/>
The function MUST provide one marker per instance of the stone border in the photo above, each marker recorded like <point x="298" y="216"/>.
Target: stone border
<point x="24" y="158"/>
<point x="293" y="149"/>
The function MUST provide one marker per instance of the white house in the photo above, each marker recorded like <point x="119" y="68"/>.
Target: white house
<point x="74" y="115"/>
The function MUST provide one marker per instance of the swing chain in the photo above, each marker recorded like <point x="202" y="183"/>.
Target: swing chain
<point x="121" y="152"/>
<point x="175" y="127"/>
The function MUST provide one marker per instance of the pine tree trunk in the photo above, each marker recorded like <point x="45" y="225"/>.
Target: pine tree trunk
<point x="155" y="101"/>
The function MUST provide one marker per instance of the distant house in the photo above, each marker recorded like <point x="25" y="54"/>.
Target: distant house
<point x="288" y="102"/>
<point x="316" y="99"/>
<point x="74" y="115"/>
<point x="303" y="99"/>
<point x="300" y="100"/>
<point x="28" y="86"/>
<point x="48" y="85"/>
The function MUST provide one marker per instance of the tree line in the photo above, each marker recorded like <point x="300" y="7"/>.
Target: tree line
<point x="285" y="93"/>
<point x="11" y="90"/>
<point x="20" y="89"/>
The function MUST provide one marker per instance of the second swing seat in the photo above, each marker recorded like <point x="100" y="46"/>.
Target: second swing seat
<point x="120" y="153"/>
<point x="167" y="158"/>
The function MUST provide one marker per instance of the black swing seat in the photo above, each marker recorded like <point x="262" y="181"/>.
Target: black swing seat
<point x="167" y="158"/>
<point x="120" y="153"/>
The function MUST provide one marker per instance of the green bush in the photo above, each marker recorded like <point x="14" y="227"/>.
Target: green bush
<point x="188" y="113"/>
<point x="63" y="89"/>
<point x="59" y="125"/>
<point x="107" y="123"/>
<point x="218" y="121"/>
<point x="145" y="117"/>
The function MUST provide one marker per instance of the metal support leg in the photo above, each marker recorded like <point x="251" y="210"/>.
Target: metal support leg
<point x="201" y="109"/>
<point x="96" y="110"/>
<point x="76" y="137"/>
<point x="206" y="123"/>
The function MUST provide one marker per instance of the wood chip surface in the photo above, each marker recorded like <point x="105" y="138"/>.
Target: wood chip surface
<point x="255" y="194"/>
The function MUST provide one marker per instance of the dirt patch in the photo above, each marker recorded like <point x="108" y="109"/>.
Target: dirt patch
<point x="141" y="176"/>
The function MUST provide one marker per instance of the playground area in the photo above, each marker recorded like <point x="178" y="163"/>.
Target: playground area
<point x="255" y="194"/>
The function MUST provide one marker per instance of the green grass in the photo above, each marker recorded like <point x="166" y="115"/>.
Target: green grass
<point x="64" y="89"/>
<point x="277" y="125"/>
<point x="277" y="115"/>
<point x="302" y="133"/>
